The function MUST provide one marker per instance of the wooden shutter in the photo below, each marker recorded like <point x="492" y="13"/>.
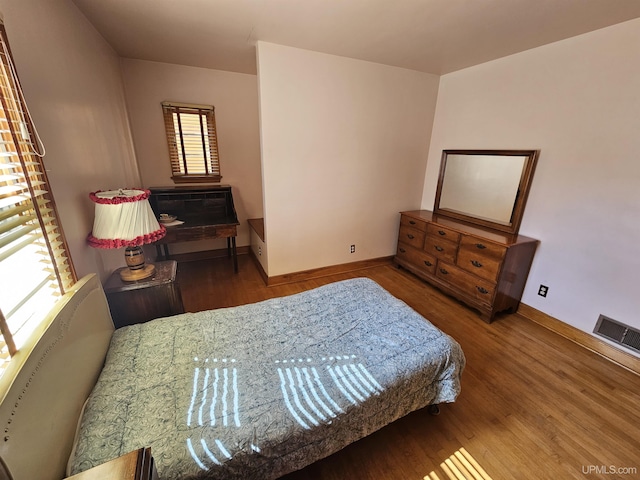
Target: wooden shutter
<point x="192" y="141"/>
<point x="34" y="264"/>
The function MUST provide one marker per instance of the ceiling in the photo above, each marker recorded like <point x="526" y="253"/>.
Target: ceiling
<point x="433" y="36"/>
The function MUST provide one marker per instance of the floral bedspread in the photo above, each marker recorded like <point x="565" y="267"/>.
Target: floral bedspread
<point x="260" y="390"/>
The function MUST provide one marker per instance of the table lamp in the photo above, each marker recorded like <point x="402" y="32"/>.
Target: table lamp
<point x="124" y="218"/>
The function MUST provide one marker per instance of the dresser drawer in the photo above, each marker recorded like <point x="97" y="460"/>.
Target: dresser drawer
<point x="413" y="223"/>
<point x="411" y="236"/>
<point x="418" y="258"/>
<point x="485" y="267"/>
<point x="443" y="233"/>
<point x="440" y="248"/>
<point x="482" y="247"/>
<point x="466" y="283"/>
<point x="480" y="258"/>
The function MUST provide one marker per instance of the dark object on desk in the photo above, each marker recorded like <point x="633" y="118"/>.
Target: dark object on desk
<point x="207" y="213"/>
<point x="144" y="300"/>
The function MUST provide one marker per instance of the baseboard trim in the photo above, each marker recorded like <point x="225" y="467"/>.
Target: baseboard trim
<point x="327" y="271"/>
<point x="615" y="355"/>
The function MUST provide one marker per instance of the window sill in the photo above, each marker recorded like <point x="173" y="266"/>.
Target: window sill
<point x="196" y="178"/>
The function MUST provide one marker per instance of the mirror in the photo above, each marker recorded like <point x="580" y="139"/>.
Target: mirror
<point x="485" y="187"/>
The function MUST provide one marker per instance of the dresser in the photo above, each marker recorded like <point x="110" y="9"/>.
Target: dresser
<point x="483" y="268"/>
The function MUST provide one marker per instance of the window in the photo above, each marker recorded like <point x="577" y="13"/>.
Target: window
<point x="192" y="140"/>
<point x="34" y="264"/>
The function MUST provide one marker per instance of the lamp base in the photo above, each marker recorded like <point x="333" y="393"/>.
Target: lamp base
<point x="138" y="270"/>
<point x="128" y="275"/>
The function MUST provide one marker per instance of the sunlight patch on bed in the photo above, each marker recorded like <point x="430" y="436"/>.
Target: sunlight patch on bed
<point x="304" y="385"/>
<point x="306" y="397"/>
<point x="217" y="385"/>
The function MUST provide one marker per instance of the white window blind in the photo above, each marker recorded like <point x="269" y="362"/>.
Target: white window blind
<point x="192" y="140"/>
<point x="34" y="264"/>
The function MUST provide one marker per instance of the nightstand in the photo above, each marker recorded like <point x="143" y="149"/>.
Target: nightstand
<point x="144" y="300"/>
<point x="136" y="465"/>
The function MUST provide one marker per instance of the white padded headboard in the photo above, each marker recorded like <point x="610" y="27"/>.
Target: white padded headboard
<point x="47" y="383"/>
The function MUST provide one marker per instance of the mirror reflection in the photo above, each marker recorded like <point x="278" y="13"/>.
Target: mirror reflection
<point x="485" y="187"/>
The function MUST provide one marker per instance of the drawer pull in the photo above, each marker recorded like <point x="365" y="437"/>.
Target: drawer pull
<point x="476" y="263"/>
<point x="482" y="290"/>
<point x="442" y="232"/>
<point x="402" y="250"/>
<point x="439" y="248"/>
<point x="480" y="246"/>
<point x="428" y="263"/>
<point x="443" y="271"/>
<point x="411" y="222"/>
<point x="410" y="237"/>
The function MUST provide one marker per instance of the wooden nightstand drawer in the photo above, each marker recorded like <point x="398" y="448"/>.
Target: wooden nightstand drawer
<point x="144" y="300"/>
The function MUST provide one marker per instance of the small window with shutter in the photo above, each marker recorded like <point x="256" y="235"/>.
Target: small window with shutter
<point x="192" y="141"/>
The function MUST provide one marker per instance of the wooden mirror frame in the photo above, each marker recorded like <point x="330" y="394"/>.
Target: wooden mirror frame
<point x="531" y="158"/>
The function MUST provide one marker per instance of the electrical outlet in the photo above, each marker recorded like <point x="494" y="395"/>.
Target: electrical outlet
<point x="542" y="291"/>
<point x="353" y="249"/>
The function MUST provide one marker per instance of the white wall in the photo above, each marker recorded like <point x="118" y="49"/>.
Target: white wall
<point x="72" y="84"/>
<point x="344" y="146"/>
<point x="577" y="101"/>
<point x="235" y="97"/>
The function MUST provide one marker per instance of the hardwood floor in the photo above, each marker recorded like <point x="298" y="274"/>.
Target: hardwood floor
<point x="533" y="404"/>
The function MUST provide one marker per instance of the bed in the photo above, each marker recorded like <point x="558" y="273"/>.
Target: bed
<point x="254" y="391"/>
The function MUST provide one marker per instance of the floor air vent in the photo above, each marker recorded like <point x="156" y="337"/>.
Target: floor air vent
<point x="618" y="332"/>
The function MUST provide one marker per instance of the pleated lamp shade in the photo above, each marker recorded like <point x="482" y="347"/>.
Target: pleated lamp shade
<point x="124" y="218"/>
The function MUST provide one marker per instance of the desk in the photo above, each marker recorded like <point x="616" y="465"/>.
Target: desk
<point x="207" y="212"/>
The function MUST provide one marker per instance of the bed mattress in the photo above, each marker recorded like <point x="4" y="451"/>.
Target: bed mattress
<point x="261" y="390"/>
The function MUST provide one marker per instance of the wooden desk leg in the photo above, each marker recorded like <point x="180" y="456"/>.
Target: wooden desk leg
<point x="158" y="252"/>
<point x="228" y="247"/>
<point x="235" y="255"/>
